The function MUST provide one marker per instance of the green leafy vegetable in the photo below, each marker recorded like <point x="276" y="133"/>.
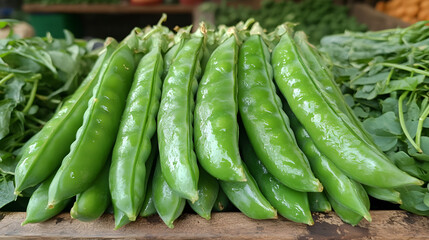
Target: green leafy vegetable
<point x="36" y="74"/>
<point x="387" y="73"/>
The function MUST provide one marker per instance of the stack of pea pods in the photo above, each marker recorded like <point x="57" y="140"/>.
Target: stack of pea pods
<point x="215" y="119"/>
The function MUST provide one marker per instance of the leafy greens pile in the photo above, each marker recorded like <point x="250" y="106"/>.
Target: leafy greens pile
<point x="36" y="74"/>
<point x="316" y="18"/>
<point x="385" y="78"/>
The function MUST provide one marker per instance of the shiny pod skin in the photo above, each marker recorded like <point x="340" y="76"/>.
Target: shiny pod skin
<point x="324" y="78"/>
<point x="175" y="118"/>
<point x="319" y="202"/>
<point x="96" y="137"/>
<point x="336" y="183"/>
<point x="168" y="204"/>
<point x="208" y="189"/>
<point x="43" y="153"/>
<point x="215" y="118"/>
<point x="247" y="197"/>
<point x="346" y="214"/>
<point x="289" y="203"/>
<point x="266" y="123"/>
<point x="93" y="202"/>
<point x="36" y="207"/>
<point x="328" y="130"/>
<point x="133" y="142"/>
<point x="385" y="194"/>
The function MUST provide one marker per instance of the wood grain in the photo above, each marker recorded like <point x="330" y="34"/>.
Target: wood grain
<point x="385" y="225"/>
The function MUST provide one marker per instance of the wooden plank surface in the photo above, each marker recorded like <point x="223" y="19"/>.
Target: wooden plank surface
<point x="107" y="8"/>
<point x="385" y="225"/>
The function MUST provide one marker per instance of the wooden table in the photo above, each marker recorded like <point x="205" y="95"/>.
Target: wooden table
<point x="233" y="225"/>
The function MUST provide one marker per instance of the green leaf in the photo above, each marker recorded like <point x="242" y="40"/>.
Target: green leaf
<point x="407" y="164"/>
<point x="6" y="192"/>
<point x="385" y="125"/>
<point x="6" y="108"/>
<point x="7" y="163"/>
<point x="371" y="80"/>
<point x="390" y="104"/>
<point x="406" y="84"/>
<point x="412" y="199"/>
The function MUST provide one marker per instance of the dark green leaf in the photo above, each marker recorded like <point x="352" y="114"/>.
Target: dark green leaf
<point x="6" y="192"/>
<point x="372" y="79"/>
<point x="6" y="108"/>
<point x="406" y="84"/>
<point x="7" y="163"/>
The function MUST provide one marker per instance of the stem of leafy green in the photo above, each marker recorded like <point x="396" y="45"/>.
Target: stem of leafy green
<point x="422" y="118"/>
<point x="33" y="93"/>
<point x="406" y="68"/>
<point x="6" y="78"/>
<point x="402" y="121"/>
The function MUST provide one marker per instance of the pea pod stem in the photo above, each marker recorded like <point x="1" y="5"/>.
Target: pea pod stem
<point x="402" y="121"/>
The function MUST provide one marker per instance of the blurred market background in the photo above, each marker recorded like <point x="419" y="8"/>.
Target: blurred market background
<point x="102" y="18"/>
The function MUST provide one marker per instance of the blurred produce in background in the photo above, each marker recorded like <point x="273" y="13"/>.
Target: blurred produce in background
<point x="410" y="11"/>
<point x="316" y="18"/>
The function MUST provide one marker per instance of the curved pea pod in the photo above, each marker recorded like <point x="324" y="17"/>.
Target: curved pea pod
<point x="93" y="202"/>
<point x="215" y="123"/>
<point x="121" y="219"/>
<point x="36" y="208"/>
<point x="385" y="194"/>
<point x="345" y="213"/>
<point x="266" y="123"/>
<point x="208" y="188"/>
<point x="247" y="197"/>
<point x="168" y="204"/>
<point x="222" y="203"/>
<point x="96" y="137"/>
<point x="336" y="183"/>
<point x="324" y="78"/>
<point x="175" y="117"/>
<point x="133" y="142"/>
<point x="289" y="203"/>
<point x="43" y="153"/>
<point x="319" y="202"/>
<point x="329" y="132"/>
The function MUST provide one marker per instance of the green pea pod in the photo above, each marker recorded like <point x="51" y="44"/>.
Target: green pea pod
<point x="93" y="202"/>
<point x="121" y="219"/>
<point x="36" y="208"/>
<point x="266" y="123"/>
<point x="148" y="207"/>
<point x="216" y="127"/>
<point x="208" y="188"/>
<point x="324" y="78"/>
<point x="138" y="124"/>
<point x="247" y="197"/>
<point x="43" y="153"/>
<point x="319" y="202"/>
<point x="168" y="204"/>
<point x="347" y="215"/>
<point x="175" y="117"/>
<point x="385" y="194"/>
<point x="331" y="135"/>
<point x="222" y="203"/>
<point x="336" y="183"/>
<point x="290" y="203"/>
<point x="96" y="136"/>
